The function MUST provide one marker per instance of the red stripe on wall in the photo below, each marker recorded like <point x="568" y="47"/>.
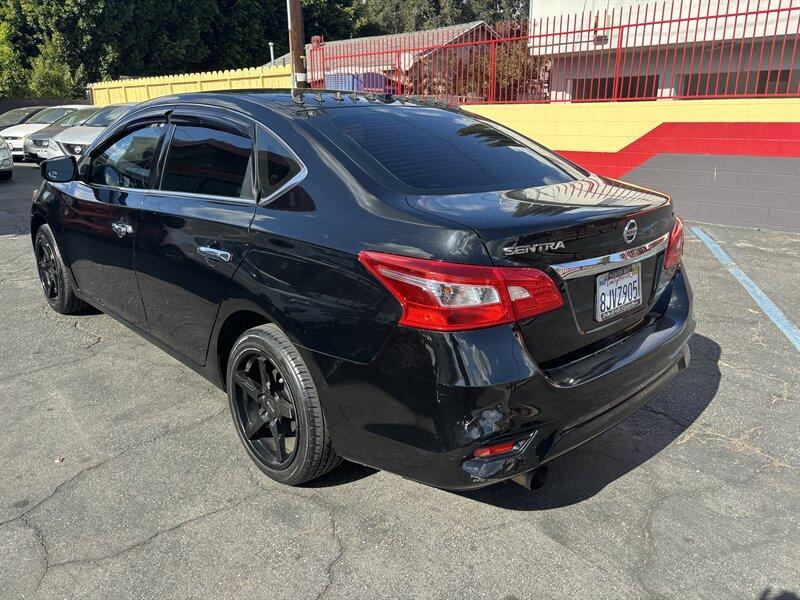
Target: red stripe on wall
<point x="744" y="139"/>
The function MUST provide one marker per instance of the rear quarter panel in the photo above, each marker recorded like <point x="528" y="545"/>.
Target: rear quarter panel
<point x="302" y="269"/>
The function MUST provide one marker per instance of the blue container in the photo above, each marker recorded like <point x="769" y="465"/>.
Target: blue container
<point x="373" y="82"/>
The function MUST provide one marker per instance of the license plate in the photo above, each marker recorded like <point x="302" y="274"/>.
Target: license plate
<point x="618" y="291"/>
<point x="15" y="144"/>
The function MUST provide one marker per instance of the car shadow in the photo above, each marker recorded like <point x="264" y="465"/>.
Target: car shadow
<point x="347" y="472"/>
<point x="582" y="473"/>
<point x="769" y="594"/>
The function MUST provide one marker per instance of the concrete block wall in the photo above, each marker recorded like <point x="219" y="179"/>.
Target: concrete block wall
<point x="751" y="191"/>
<point x="731" y="161"/>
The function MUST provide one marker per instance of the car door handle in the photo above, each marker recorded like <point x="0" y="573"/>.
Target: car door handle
<point x="121" y="229"/>
<point x="214" y="253"/>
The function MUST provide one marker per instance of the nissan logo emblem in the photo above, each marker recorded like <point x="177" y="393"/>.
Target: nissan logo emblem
<point x="629" y="233"/>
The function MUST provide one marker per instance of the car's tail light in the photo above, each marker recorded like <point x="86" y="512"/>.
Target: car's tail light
<point x="494" y="449"/>
<point x="675" y="247"/>
<point x="452" y="297"/>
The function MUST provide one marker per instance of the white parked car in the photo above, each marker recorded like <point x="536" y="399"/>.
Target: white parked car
<point x="15" y="134"/>
<point x="75" y="140"/>
<point x="6" y="160"/>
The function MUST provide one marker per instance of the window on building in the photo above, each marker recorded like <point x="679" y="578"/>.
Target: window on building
<point x="766" y="82"/>
<point x="641" y="87"/>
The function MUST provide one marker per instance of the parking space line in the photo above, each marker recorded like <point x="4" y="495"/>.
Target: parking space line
<point x="767" y="305"/>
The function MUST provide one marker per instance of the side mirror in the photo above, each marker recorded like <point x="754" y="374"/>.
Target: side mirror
<point x="59" y="170"/>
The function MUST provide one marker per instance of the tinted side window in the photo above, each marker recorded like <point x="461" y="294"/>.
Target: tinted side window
<point x="276" y="163"/>
<point x="208" y="161"/>
<point x="127" y="162"/>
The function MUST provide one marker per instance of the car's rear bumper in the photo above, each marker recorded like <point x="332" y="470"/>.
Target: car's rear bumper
<point x="430" y="399"/>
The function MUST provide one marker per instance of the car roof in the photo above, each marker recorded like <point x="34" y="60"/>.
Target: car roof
<point x="294" y="101"/>
<point x="114" y="105"/>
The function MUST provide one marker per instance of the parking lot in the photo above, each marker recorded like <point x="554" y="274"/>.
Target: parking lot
<point x="122" y="475"/>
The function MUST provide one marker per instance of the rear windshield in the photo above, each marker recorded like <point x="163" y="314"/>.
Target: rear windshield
<point x="50" y="115"/>
<point x="443" y="151"/>
<point x="106" y="116"/>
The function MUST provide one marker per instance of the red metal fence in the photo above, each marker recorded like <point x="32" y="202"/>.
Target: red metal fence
<point x="665" y="49"/>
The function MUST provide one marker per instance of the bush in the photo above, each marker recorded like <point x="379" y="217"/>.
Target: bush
<point x="13" y="76"/>
<point x="50" y="75"/>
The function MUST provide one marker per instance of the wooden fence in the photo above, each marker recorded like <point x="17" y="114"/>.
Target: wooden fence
<point x="145" y="88"/>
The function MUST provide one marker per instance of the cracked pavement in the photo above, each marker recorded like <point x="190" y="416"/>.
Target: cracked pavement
<point x="122" y="476"/>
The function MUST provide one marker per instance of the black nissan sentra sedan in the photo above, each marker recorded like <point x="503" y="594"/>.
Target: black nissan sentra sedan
<point x="373" y="278"/>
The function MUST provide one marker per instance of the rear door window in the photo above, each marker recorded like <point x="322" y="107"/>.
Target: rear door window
<point x="277" y="165"/>
<point x="438" y="150"/>
<point x="208" y="161"/>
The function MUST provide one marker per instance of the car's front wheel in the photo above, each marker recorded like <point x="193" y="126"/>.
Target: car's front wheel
<point x="276" y="409"/>
<point x="56" y="281"/>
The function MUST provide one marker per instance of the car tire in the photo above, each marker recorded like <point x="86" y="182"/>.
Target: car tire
<point x="4" y="175"/>
<point x="57" y="284"/>
<point x="276" y="408"/>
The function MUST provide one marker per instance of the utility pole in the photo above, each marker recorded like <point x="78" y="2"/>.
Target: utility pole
<point x="297" y="42"/>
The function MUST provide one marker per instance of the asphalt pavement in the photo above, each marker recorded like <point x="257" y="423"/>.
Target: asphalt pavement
<point x="122" y="477"/>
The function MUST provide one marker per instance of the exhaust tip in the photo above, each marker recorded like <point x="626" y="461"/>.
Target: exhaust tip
<point x="532" y="480"/>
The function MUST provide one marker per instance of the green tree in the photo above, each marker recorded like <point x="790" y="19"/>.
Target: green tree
<point x="332" y="19"/>
<point x="493" y="11"/>
<point x="51" y="77"/>
<point x="13" y="75"/>
<point x="58" y="45"/>
<point x="108" y="38"/>
<point x="241" y="38"/>
<point x="397" y="16"/>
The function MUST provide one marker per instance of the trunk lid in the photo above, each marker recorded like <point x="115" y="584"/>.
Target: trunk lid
<point x="550" y="227"/>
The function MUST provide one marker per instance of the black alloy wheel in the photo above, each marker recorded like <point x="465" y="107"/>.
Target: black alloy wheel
<point x="265" y="410"/>
<point x="50" y="273"/>
<point x="57" y="283"/>
<point x="276" y="408"/>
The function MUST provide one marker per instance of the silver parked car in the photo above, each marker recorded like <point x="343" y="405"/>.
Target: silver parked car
<point x="6" y="160"/>
<point x="73" y="141"/>
<point x="16" y="133"/>
<point x="35" y="145"/>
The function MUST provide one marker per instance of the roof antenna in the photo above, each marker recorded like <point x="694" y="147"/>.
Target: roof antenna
<point x="298" y="98"/>
<point x="353" y="96"/>
<point x="338" y="97"/>
<point x="318" y="97"/>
